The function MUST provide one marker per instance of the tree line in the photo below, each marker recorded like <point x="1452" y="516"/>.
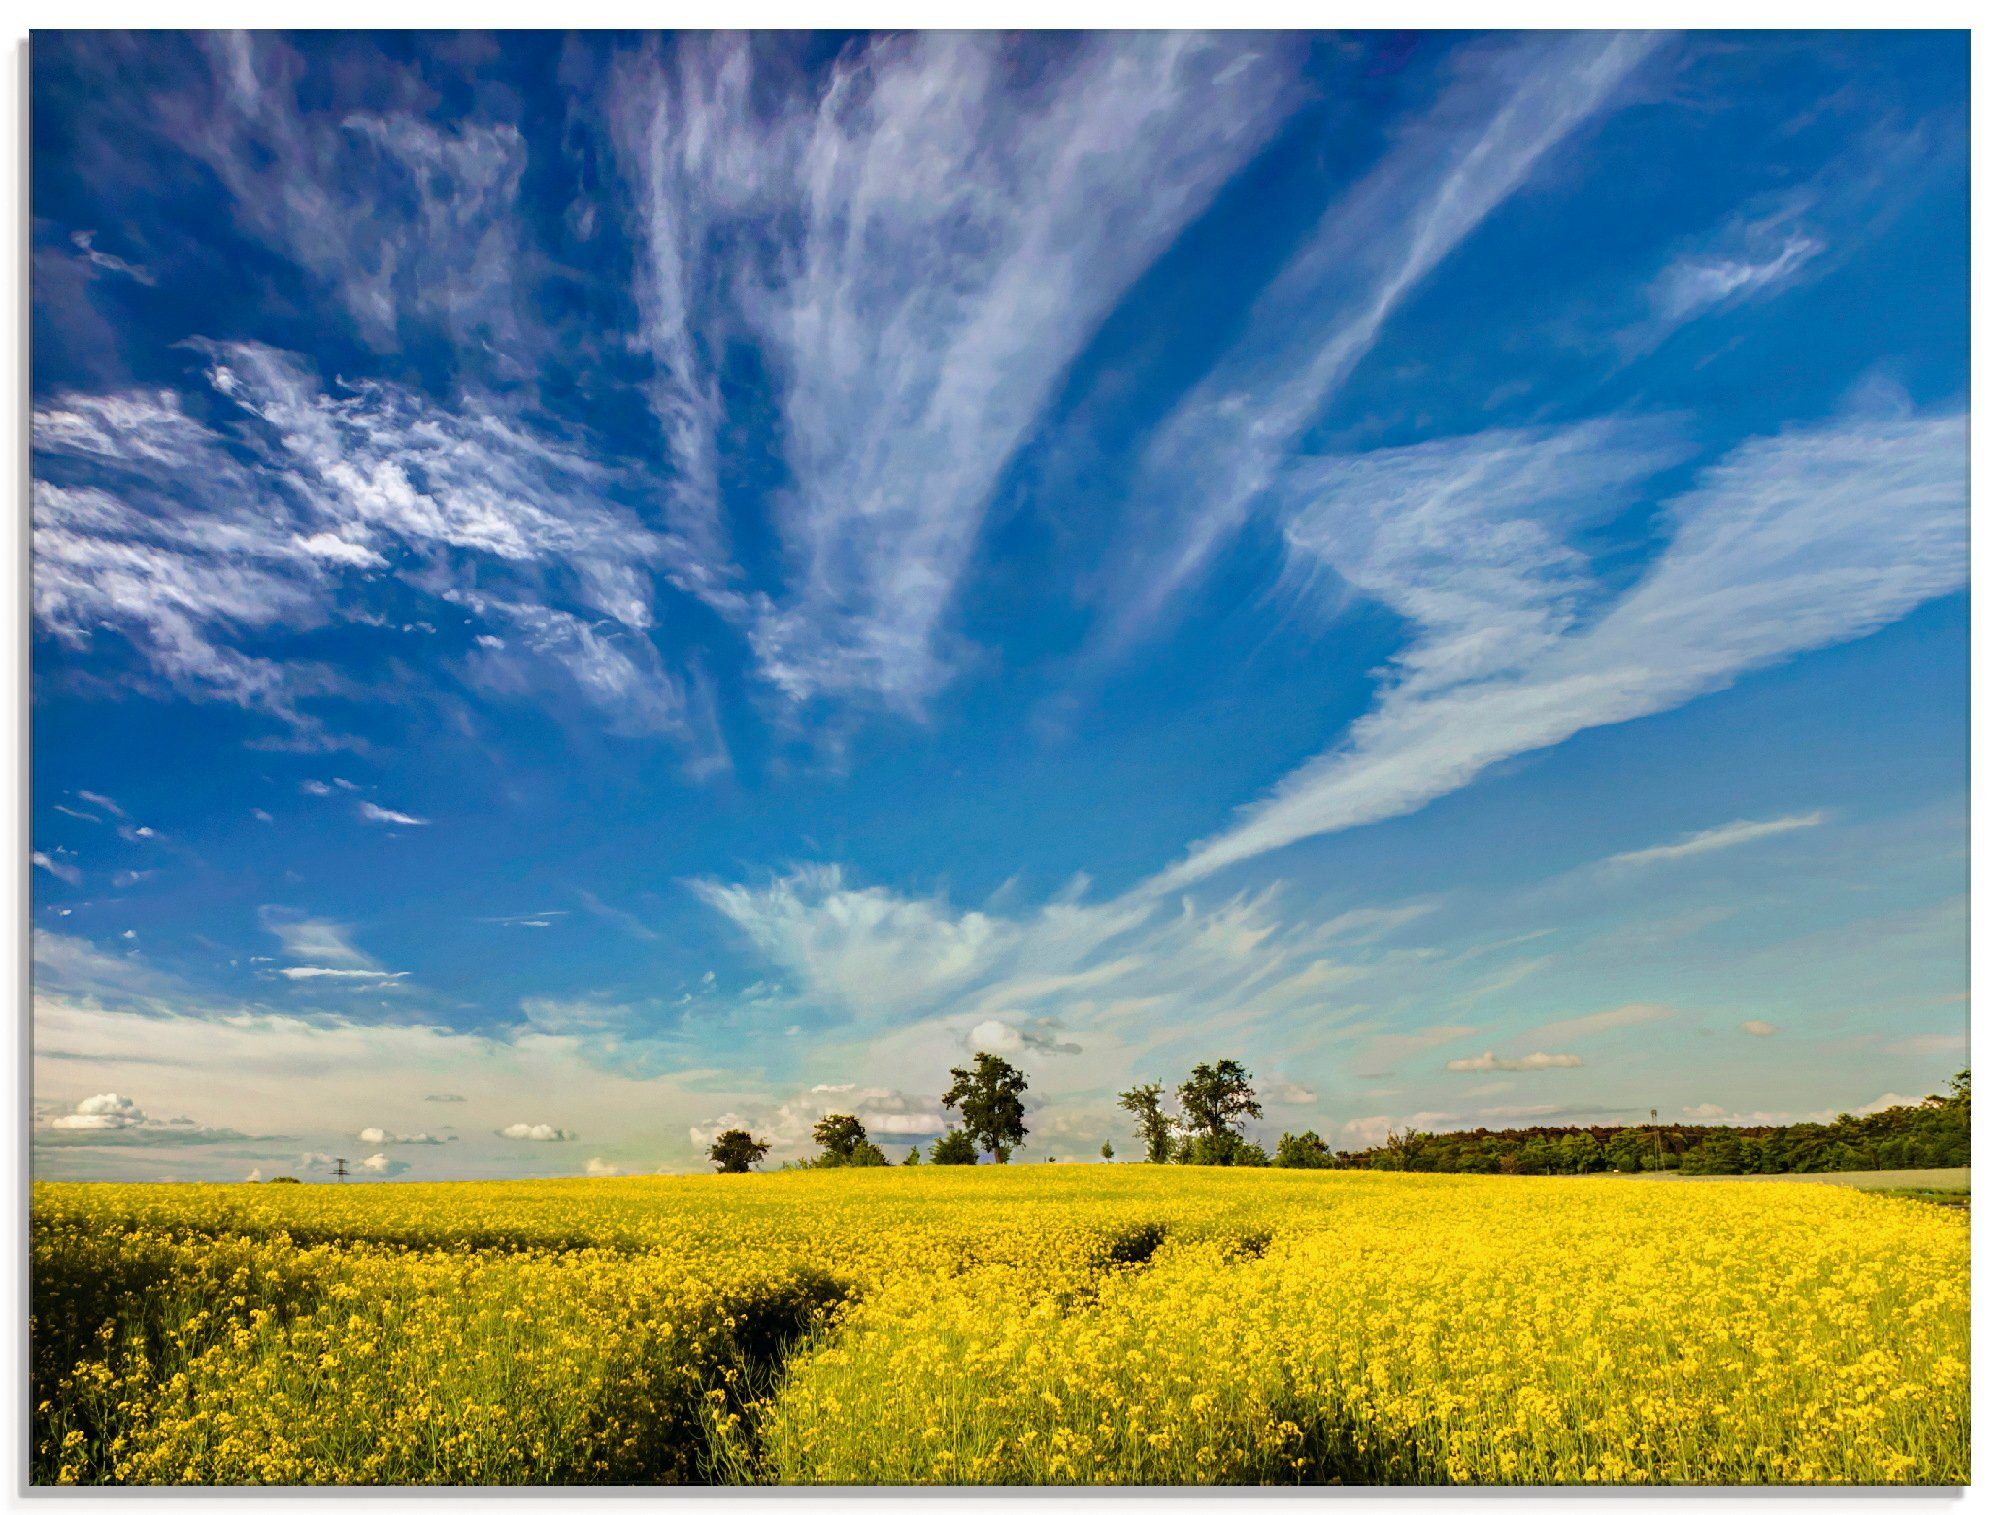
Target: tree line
<point x="1217" y="1100"/>
<point x="1936" y="1133"/>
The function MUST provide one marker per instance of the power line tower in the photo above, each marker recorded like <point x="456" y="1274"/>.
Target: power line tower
<point x="340" y="1170"/>
<point x="1659" y="1156"/>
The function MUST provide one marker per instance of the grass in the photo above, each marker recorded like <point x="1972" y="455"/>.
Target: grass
<point x="1115" y="1324"/>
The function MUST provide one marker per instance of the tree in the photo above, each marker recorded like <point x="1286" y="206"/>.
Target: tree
<point x="844" y="1143"/>
<point x="988" y="1100"/>
<point x="955" y="1149"/>
<point x="1306" y="1150"/>
<point x="736" y="1151"/>
<point x="1226" y="1149"/>
<point x="1156" y="1128"/>
<point x="1105" y="1152"/>
<point x="915" y="1159"/>
<point x="1218" y="1099"/>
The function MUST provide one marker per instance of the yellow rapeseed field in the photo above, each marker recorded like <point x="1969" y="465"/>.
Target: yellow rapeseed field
<point x="1052" y="1324"/>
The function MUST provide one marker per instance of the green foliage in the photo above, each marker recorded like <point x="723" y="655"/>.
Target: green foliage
<point x="988" y="1100"/>
<point x="844" y="1143"/>
<point x="1220" y="1149"/>
<point x="737" y="1151"/>
<point x="915" y="1159"/>
<point x="1306" y="1150"/>
<point x="1156" y="1128"/>
<point x="1105" y="1152"/>
<point x="955" y="1149"/>
<point x="1218" y="1098"/>
<point x="282" y="1178"/>
<point x="1934" y="1134"/>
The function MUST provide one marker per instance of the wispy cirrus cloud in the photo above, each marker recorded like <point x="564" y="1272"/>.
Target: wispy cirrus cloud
<point x="1815" y="536"/>
<point x="199" y="544"/>
<point x="411" y="223"/>
<point x="1750" y="262"/>
<point x="85" y="243"/>
<point x="1715" y="839"/>
<point x="1231" y="437"/>
<point x="947" y="237"/>
<point x="1527" y="1062"/>
<point x="382" y="815"/>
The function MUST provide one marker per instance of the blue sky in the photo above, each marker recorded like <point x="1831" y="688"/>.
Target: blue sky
<point x="591" y="589"/>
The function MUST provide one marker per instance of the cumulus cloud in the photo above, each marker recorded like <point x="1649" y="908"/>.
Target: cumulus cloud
<point x="1283" y="1091"/>
<point x="788" y="1126"/>
<point x="101" y="1112"/>
<point x="597" y="1167"/>
<point x="539" y="1131"/>
<point x="116" y="1119"/>
<point x="1532" y="1062"/>
<point x="1003" y="1038"/>
<point x="376" y="1136"/>
<point x="382" y="1165"/>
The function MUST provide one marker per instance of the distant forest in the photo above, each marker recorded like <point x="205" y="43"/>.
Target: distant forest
<point x="1934" y="1134"/>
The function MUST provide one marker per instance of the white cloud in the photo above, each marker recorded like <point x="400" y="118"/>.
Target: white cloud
<point x="190" y="541"/>
<point x="375" y="1136"/>
<point x="1746" y="261"/>
<point x="1734" y="834"/>
<point x="101" y="1112"/>
<point x="1620" y="1018"/>
<point x="383" y="1165"/>
<point x="1283" y="1091"/>
<point x="381" y="815"/>
<point x="366" y="975"/>
<point x="1507" y="109"/>
<point x="1760" y="1028"/>
<point x="1931" y="1045"/>
<point x="1816" y="536"/>
<point x="102" y="801"/>
<point x="117" y="1119"/>
<point x="317" y="941"/>
<point x="860" y="947"/>
<point x="89" y="252"/>
<point x="411" y="223"/>
<point x="597" y="1167"/>
<point x="1373" y="1130"/>
<point x="1004" y="1038"/>
<point x="539" y="1131"/>
<point x="67" y="872"/>
<point x="788" y="1125"/>
<point x="1532" y="1062"/>
<point x="335" y="549"/>
<point x="949" y="235"/>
